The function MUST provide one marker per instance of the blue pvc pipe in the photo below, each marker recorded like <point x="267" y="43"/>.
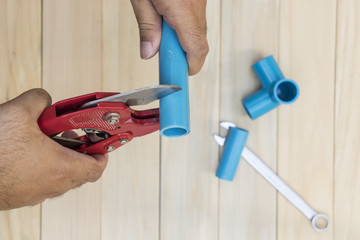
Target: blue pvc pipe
<point x="174" y="108"/>
<point x="276" y="89"/>
<point x="233" y="147"/>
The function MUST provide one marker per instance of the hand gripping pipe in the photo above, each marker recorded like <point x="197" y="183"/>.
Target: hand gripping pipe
<point x="174" y="109"/>
<point x="234" y="148"/>
<point x="276" y="89"/>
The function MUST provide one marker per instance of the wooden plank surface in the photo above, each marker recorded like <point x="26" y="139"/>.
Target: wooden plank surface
<point x="168" y="190"/>
<point x="306" y="128"/>
<point x="72" y="65"/>
<point x="347" y="119"/>
<point x="189" y="189"/>
<point x="20" y="70"/>
<point x="130" y="186"/>
<point x="248" y="204"/>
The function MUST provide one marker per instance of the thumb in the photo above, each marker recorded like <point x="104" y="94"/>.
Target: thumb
<point x="34" y="101"/>
<point x="149" y="22"/>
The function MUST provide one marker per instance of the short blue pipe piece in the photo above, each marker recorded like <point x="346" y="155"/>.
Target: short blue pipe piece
<point x="233" y="147"/>
<point x="174" y="108"/>
<point x="276" y="89"/>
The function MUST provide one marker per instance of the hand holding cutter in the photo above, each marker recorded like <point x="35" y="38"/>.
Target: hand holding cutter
<point x="106" y="118"/>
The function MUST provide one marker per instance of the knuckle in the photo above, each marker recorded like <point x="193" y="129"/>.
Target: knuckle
<point x="93" y="174"/>
<point x="162" y="7"/>
<point x="39" y="91"/>
<point x="204" y="48"/>
<point x="33" y="198"/>
<point x="38" y="201"/>
<point x="147" y="26"/>
<point x="53" y="194"/>
<point x="198" y="37"/>
<point x="42" y="94"/>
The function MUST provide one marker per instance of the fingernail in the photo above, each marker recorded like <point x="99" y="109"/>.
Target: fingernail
<point x="146" y="50"/>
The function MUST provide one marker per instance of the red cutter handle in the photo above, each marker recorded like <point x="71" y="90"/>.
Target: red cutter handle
<point x="63" y="116"/>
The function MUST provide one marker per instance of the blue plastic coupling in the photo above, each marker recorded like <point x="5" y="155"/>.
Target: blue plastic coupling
<point x="230" y="158"/>
<point x="276" y="89"/>
<point x="174" y="108"/>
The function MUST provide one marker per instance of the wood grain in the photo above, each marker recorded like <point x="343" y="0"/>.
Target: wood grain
<point x="20" y="47"/>
<point x="20" y="70"/>
<point x="72" y="65"/>
<point x="306" y="128"/>
<point x="130" y="186"/>
<point x="189" y="188"/>
<point x="168" y="190"/>
<point x="347" y="119"/>
<point x="248" y="204"/>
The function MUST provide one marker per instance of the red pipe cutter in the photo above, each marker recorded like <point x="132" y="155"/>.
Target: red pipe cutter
<point x="106" y="118"/>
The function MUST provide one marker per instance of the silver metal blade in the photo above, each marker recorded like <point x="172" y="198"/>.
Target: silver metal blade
<point x="136" y="97"/>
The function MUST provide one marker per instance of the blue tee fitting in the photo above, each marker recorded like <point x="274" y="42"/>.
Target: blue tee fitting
<point x="233" y="147"/>
<point x="276" y="89"/>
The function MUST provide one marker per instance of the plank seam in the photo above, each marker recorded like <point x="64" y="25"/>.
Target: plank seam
<point x="334" y="115"/>
<point x="160" y="177"/>
<point x="219" y="110"/>
<point x="277" y="125"/>
<point x="42" y="86"/>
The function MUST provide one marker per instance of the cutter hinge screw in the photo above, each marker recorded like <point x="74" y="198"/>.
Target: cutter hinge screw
<point x="110" y="148"/>
<point x="112" y="118"/>
<point x="123" y="141"/>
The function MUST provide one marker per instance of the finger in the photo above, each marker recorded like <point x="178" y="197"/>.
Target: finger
<point x="192" y="37"/>
<point x="85" y="168"/>
<point x="102" y="159"/>
<point x="70" y="169"/>
<point x="149" y="22"/>
<point x="33" y="101"/>
<point x="189" y="22"/>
